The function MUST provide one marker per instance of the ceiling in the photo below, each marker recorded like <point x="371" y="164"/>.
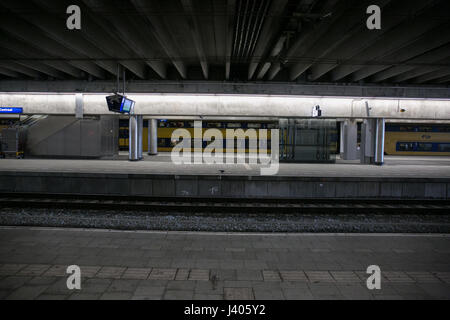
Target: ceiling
<point x="299" y="41"/>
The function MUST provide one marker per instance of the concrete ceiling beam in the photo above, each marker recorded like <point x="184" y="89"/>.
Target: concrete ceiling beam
<point x="267" y="36"/>
<point x="101" y="41"/>
<point x="122" y="26"/>
<point x="309" y="35"/>
<point x="21" y="50"/>
<point x="161" y="32"/>
<point x="336" y="35"/>
<point x="17" y="28"/>
<point x="231" y="9"/>
<point x="430" y="57"/>
<point x="428" y="41"/>
<point x="398" y="38"/>
<point x="9" y="73"/>
<point x="9" y="65"/>
<point x="366" y="38"/>
<point x="442" y="72"/>
<point x="188" y="7"/>
<point x="73" y="41"/>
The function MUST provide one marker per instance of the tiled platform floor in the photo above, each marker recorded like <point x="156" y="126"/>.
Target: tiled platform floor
<point x="181" y="265"/>
<point x="395" y="167"/>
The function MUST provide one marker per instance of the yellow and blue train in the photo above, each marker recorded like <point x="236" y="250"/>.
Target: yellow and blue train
<point x="417" y="139"/>
<point x="400" y="139"/>
<point x="167" y="127"/>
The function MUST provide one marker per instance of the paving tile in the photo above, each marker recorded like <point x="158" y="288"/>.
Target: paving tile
<point x="95" y="285"/>
<point x="270" y="275"/>
<point x="423" y="276"/>
<point x="319" y="276"/>
<point x="41" y="281"/>
<point x="110" y="272"/>
<point x="290" y="275"/>
<point x="199" y="274"/>
<point x="89" y="271"/>
<point x="444" y="276"/>
<point x="162" y="274"/>
<point x="297" y="294"/>
<point x="136" y="273"/>
<point x="26" y="293"/>
<point x="52" y="297"/>
<point x="178" y="295"/>
<point x="33" y="270"/>
<point x="56" y="271"/>
<point x="84" y="296"/>
<point x="13" y="282"/>
<point x="354" y="291"/>
<point x="180" y="285"/>
<point x="245" y="274"/>
<point x="396" y="276"/>
<point x="238" y="294"/>
<point x="11" y="269"/>
<point x="182" y="274"/>
<point x="116" y="296"/>
<point x="123" y="285"/>
<point x="149" y="291"/>
<point x="209" y="287"/>
<point x="147" y="297"/>
<point x="345" y="276"/>
<point x="203" y="296"/>
<point x="223" y="274"/>
<point x="235" y="249"/>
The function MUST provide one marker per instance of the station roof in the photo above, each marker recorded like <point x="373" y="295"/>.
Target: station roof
<point x="298" y="41"/>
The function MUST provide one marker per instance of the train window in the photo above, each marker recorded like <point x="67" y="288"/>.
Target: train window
<point x="253" y="125"/>
<point x="233" y="125"/>
<point x="213" y="125"/>
<point x="443" y="147"/>
<point x="406" y="146"/>
<point x="427" y="147"/>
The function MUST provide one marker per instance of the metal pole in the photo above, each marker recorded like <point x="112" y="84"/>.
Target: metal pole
<point x="140" y="121"/>
<point x="379" y="141"/>
<point x="152" y="137"/>
<point x="133" y="139"/>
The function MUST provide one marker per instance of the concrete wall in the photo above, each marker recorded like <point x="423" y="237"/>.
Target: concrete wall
<point x="160" y="105"/>
<point x="223" y="186"/>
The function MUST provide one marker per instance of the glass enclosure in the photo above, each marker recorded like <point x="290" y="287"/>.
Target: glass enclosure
<point x="308" y="140"/>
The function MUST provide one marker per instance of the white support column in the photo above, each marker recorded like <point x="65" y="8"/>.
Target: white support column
<point x="133" y="139"/>
<point x="140" y="122"/>
<point x="152" y="136"/>
<point x="379" y="141"/>
<point x="367" y="151"/>
<point x="350" y="138"/>
<point x="341" y="139"/>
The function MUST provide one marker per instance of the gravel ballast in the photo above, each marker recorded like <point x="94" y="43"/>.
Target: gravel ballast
<point x="240" y="222"/>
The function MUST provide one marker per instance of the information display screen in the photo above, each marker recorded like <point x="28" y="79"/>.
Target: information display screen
<point x="119" y="103"/>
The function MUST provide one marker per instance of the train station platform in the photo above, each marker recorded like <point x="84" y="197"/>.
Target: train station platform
<point x="157" y="176"/>
<point x="216" y="266"/>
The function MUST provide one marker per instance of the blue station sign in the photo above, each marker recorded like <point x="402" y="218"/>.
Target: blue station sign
<point x="11" y="110"/>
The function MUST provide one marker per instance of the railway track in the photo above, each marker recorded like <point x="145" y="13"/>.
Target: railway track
<point x="221" y="205"/>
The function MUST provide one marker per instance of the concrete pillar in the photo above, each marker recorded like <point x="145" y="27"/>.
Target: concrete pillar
<point x="140" y="122"/>
<point x="152" y="137"/>
<point x="367" y="151"/>
<point x="133" y="154"/>
<point x="379" y="141"/>
<point x="341" y="139"/>
<point x="350" y="140"/>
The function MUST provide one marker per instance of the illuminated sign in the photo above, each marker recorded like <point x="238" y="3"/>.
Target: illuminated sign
<point x="11" y="110"/>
